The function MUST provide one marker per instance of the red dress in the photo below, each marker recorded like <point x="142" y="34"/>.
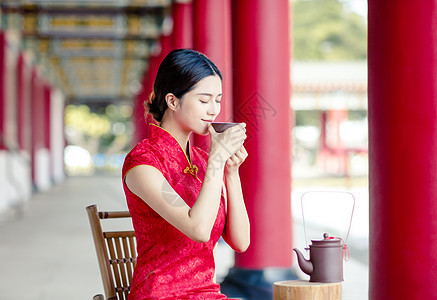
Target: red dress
<point x="170" y="265"/>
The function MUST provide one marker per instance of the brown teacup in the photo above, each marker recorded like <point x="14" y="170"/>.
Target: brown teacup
<point x="222" y="126"/>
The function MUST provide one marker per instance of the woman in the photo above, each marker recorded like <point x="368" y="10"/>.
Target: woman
<point x="175" y="192"/>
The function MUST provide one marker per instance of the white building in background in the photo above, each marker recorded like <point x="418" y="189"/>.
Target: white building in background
<point x="329" y="85"/>
<point x="334" y="89"/>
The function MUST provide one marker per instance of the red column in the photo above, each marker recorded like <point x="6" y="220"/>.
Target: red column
<point x="141" y="130"/>
<point x="34" y="121"/>
<point x="323" y="152"/>
<point x="47" y="111"/>
<point x="402" y="111"/>
<point x="2" y="90"/>
<point x="212" y="37"/>
<point x="336" y="118"/>
<point x="262" y="100"/>
<point x="24" y="89"/>
<point x="47" y="124"/>
<point x="38" y="117"/>
<point x="182" y="24"/>
<point x="261" y="60"/>
<point x="8" y="76"/>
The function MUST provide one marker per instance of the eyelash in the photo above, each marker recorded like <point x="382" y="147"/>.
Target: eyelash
<point x="208" y="101"/>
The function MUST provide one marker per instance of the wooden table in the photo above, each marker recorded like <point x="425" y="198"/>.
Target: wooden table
<point x="305" y="290"/>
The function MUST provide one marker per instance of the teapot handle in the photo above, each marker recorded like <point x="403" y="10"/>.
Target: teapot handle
<point x="303" y="215"/>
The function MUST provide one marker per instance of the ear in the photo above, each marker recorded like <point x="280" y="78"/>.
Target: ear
<point x="172" y="101"/>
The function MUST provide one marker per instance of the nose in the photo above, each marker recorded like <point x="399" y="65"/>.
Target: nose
<point x="213" y="108"/>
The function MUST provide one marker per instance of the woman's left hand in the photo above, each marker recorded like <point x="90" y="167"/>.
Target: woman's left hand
<point x="235" y="161"/>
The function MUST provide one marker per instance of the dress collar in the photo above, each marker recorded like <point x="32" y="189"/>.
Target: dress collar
<point x="162" y="134"/>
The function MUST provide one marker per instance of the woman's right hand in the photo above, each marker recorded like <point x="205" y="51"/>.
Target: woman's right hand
<point x="226" y="144"/>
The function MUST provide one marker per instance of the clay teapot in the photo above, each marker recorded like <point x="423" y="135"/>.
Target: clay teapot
<point x="326" y="260"/>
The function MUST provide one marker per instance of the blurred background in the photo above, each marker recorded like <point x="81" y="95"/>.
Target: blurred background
<point x="72" y="75"/>
<point x="93" y="56"/>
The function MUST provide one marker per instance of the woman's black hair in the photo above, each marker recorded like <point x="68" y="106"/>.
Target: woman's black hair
<point x="180" y="70"/>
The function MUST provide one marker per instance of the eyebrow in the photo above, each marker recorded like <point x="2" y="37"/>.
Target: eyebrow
<point x="207" y="94"/>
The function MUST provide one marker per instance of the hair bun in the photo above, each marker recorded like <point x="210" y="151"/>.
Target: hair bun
<point x="152" y="96"/>
<point x="153" y="108"/>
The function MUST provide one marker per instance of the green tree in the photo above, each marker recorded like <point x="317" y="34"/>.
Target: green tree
<point x="327" y="30"/>
<point x="103" y="132"/>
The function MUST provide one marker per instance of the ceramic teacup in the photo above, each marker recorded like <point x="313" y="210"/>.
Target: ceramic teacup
<point x="222" y="126"/>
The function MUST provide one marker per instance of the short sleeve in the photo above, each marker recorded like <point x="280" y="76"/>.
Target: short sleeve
<point x="140" y="155"/>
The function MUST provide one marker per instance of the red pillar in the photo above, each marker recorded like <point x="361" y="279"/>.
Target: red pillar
<point x="24" y="97"/>
<point x="39" y="132"/>
<point x="8" y="83"/>
<point x="47" y="111"/>
<point x="323" y="152"/>
<point x="141" y="130"/>
<point x="3" y="73"/>
<point x="262" y="100"/>
<point x="182" y="24"/>
<point x="212" y="37"/>
<point x="261" y="61"/>
<point x="47" y="124"/>
<point x="402" y="111"/>
<point x="336" y="118"/>
<point x="37" y="114"/>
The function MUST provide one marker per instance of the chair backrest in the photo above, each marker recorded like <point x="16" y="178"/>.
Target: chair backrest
<point x="116" y="253"/>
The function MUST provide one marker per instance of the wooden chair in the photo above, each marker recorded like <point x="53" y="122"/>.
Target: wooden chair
<point x="116" y="254"/>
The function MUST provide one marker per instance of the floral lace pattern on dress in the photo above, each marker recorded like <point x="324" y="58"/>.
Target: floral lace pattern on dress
<point x="170" y="265"/>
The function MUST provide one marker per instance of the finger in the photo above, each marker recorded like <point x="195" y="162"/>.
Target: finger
<point x="231" y="159"/>
<point x="239" y="153"/>
<point x="236" y="161"/>
<point x="236" y="146"/>
<point x="230" y="162"/>
<point x="239" y="135"/>
<point x="230" y="129"/>
<point x="241" y="156"/>
<point x="241" y="127"/>
<point x="243" y="150"/>
<point x="237" y="128"/>
<point x="238" y="142"/>
<point x="211" y="130"/>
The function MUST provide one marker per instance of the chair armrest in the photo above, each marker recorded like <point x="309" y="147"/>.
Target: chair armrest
<point x="99" y="297"/>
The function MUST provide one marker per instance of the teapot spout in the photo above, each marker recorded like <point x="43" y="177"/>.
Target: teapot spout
<point x="305" y="265"/>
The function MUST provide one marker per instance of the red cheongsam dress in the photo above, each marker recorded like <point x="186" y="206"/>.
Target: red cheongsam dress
<point x="170" y="265"/>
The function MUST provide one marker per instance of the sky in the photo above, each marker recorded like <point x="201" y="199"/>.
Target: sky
<point x="358" y="6"/>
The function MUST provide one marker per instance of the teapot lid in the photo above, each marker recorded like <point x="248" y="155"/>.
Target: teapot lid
<point x="327" y="241"/>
